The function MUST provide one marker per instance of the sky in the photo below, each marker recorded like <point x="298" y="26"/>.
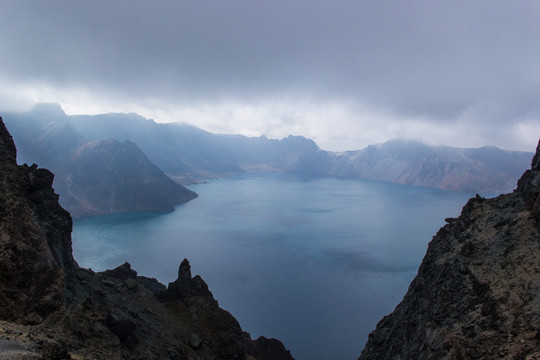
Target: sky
<point x="346" y="73"/>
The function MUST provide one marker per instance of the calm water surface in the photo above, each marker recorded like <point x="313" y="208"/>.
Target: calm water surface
<point x="314" y="262"/>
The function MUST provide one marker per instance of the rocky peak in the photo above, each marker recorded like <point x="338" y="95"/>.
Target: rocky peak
<point x="123" y="272"/>
<point x="184" y="271"/>
<point x="535" y="165"/>
<point x="264" y="348"/>
<point x="188" y="288"/>
<point x="7" y="146"/>
<point x="37" y="183"/>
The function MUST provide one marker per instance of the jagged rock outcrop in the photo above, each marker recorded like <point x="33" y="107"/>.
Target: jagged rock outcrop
<point x="147" y="320"/>
<point x="50" y="308"/>
<point x="477" y="291"/>
<point x="35" y="239"/>
<point x="266" y="349"/>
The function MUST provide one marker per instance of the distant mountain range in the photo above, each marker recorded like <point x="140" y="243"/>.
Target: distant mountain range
<point x="102" y="161"/>
<point x="482" y="170"/>
<point x="189" y="153"/>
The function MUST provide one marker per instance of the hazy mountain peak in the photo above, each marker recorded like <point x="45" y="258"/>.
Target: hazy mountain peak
<point x="299" y="141"/>
<point x="52" y="110"/>
<point x="189" y="154"/>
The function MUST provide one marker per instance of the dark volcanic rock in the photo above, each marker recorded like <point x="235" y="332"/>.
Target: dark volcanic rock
<point x="35" y="240"/>
<point x="205" y="317"/>
<point x="477" y="292"/>
<point x="187" y="287"/>
<point x="266" y="349"/>
<point x="50" y="308"/>
<point x="529" y="186"/>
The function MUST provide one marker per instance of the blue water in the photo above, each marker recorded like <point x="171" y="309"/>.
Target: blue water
<point x="314" y="262"/>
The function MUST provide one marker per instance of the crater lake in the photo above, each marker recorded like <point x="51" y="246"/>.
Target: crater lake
<point x="313" y="262"/>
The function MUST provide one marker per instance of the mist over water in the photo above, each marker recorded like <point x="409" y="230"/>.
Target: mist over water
<point x="314" y="262"/>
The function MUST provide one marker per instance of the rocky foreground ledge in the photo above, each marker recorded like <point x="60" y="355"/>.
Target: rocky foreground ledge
<point x="50" y="308"/>
<point x="477" y="291"/>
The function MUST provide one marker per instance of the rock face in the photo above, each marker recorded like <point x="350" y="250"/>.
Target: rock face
<point x="35" y="240"/>
<point x="108" y="176"/>
<point x="265" y="348"/>
<point x="477" y="291"/>
<point x="50" y="308"/>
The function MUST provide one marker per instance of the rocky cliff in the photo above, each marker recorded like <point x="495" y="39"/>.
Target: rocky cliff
<point x="477" y="291"/>
<point x="50" y="308"/>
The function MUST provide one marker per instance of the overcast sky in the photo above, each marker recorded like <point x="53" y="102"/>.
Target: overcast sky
<point x="346" y="73"/>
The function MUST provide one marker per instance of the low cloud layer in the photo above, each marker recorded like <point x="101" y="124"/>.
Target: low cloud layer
<point x="346" y="73"/>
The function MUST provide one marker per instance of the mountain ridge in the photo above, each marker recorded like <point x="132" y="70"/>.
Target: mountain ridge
<point x="189" y="154"/>
<point x="459" y="169"/>
<point x="296" y="154"/>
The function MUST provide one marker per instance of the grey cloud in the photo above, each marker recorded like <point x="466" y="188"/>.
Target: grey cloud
<point x="438" y="60"/>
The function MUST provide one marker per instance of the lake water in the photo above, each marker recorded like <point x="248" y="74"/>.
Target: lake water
<point x="314" y="262"/>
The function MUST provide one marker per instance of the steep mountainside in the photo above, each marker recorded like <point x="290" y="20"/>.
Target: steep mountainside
<point x="35" y="242"/>
<point x="98" y="177"/>
<point x="50" y="308"/>
<point x="477" y="291"/>
<point x="191" y="154"/>
<point x="111" y="177"/>
<point x="484" y="170"/>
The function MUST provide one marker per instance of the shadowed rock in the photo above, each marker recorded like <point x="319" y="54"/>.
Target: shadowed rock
<point x="35" y="240"/>
<point x="266" y="349"/>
